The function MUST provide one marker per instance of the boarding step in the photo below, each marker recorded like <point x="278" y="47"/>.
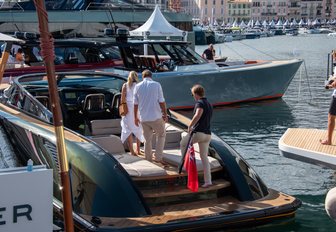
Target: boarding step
<point x="173" y="178"/>
<point x="175" y="194"/>
<point x="183" y="190"/>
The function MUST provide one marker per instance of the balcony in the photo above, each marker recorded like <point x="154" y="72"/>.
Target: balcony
<point x="319" y="7"/>
<point x="241" y="15"/>
<point x="269" y="5"/>
<point x="268" y="13"/>
<point x="304" y="14"/>
<point x="293" y="6"/>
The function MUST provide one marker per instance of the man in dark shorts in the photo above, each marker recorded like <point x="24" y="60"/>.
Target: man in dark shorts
<point x="331" y="116"/>
<point x="200" y="125"/>
<point x="209" y="53"/>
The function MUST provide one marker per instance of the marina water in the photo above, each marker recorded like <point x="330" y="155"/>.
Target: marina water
<point x="253" y="129"/>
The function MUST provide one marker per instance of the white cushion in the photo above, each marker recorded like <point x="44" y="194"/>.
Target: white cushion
<point x="110" y="143"/>
<point x="173" y="157"/>
<point x="136" y="166"/>
<point x="106" y="126"/>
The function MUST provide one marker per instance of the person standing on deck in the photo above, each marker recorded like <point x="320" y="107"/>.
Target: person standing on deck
<point x="209" y="53"/>
<point x="331" y="116"/>
<point x="128" y="128"/>
<point x="150" y="102"/>
<point x="200" y="125"/>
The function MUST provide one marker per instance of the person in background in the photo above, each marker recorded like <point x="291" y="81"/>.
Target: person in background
<point x="331" y="115"/>
<point x="128" y="128"/>
<point x="19" y="56"/>
<point x="150" y="102"/>
<point x="200" y="125"/>
<point x="209" y="53"/>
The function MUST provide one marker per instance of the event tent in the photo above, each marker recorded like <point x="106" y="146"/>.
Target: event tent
<point x="157" y="25"/>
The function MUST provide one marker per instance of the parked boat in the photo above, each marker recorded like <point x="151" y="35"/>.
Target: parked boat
<point x="113" y="190"/>
<point x="291" y="31"/>
<point x="175" y="62"/>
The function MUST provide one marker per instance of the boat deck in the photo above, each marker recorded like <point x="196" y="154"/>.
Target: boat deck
<point x="304" y="145"/>
<point x="189" y="211"/>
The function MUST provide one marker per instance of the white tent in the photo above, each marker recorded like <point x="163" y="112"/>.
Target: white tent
<point x="309" y="23"/>
<point x="279" y="23"/>
<point x="7" y="38"/>
<point x="301" y="23"/>
<point x="242" y="24"/>
<point x="264" y="23"/>
<point x="272" y="23"/>
<point x="250" y="23"/>
<point x="223" y="24"/>
<point x="257" y="23"/>
<point x="286" y="23"/>
<point x="235" y="24"/>
<point x="157" y="25"/>
<point x="316" y="22"/>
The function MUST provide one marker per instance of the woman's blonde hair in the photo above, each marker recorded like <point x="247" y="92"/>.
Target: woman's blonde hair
<point x="132" y="77"/>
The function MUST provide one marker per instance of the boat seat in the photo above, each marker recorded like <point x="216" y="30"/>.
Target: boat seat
<point x="173" y="157"/>
<point x="105" y="127"/>
<point x="134" y="165"/>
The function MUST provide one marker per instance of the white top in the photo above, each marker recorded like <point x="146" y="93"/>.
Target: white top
<point x="334" y="93"/>
<point x="147" y="95"/>
<point x="129" y="92"/>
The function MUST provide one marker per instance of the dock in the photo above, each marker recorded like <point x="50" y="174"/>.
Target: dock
<point x="304" y="145"/>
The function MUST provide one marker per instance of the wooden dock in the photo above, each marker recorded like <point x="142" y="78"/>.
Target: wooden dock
<point x="304" y="145"/>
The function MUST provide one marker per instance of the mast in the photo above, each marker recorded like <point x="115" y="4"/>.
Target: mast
<point x="47" y="50"/>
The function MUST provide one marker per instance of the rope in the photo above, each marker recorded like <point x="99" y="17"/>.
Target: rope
<point x="234" y="51"/>
<point x="259" y="50"/>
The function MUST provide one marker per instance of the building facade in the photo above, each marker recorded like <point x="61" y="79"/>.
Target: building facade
<point x="209" y="11"/>
<point x="238" y="10"/>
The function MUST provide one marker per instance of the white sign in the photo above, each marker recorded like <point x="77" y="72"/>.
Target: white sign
<point x="26" y="200"/>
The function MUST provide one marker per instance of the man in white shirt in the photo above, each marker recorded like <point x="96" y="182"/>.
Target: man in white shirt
<point x="150" y="102"/>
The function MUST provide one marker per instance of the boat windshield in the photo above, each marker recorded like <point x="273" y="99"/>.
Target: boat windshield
<point x="160" y="56"/>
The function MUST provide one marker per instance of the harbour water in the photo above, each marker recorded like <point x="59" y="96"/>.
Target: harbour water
<point x="253" y="129"/>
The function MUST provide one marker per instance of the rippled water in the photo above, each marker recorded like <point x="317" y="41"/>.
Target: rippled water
<point x="254" y="129"/>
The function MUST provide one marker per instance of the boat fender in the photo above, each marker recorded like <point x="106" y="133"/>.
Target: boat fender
<point x="330" y="203"/>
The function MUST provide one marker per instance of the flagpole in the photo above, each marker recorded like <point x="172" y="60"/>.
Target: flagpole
<point x="4" y="58"/>
<point x="47" y="50"/>
<point x="180" y="166"/>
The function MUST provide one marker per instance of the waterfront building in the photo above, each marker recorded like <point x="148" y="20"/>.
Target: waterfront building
<point x="238" y="10"/>
<point x="205" y="11"/>
<point x="268" y="10"/>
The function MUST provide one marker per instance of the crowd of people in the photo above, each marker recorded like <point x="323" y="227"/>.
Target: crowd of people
<point x="147" y="114"/>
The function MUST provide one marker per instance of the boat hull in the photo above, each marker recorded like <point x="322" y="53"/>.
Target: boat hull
<point x="227" y="85"/>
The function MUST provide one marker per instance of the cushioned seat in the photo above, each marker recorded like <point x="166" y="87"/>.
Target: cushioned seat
<point x="134" y="165"/>
<point x="106" y="126"/>
<point x="173" y="157"/>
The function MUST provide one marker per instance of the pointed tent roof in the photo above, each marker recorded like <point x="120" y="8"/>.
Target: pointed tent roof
<point x="223" y="24"/>
<point x="242" y="24"/>
<point x="286" y="23"/>
<point x="250" y="23"/>
<point x="316" y="22"/>
<point x="7" y="38"/>
<point x="301" y="22"/>
<point x="157" y="25"/>
<point x="272" y="23"/>
<point x="235" y="24"/>
<point x="257" y="23"/>
<point x="264" y="23"/>
<point x="279" y="23"/>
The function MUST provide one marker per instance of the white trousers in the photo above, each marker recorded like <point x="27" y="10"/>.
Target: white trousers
<point x="203" y="141"/>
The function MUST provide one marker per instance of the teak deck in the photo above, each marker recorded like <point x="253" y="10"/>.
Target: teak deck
<point x="188" y="211"/>
<point x="304" y="145"/>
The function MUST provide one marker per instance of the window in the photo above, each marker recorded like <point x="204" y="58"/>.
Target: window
<point x="213" y="2"/>
<point x="206" y="2"/>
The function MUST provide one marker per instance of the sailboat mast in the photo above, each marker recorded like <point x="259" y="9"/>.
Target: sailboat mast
<point x="47" y="50"/>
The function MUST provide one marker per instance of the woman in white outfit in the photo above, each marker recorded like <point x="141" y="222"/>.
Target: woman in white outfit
<point x="127" y="122"/>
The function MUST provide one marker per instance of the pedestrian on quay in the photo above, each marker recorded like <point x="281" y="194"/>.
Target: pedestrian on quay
<point x="128" y="127"/>
<point x="150" y="103"/>
<point x="200" y="126"/>
<point x="331" y="115"/>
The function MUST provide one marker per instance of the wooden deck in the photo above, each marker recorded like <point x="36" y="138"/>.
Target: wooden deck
<point x="304" y="145"/>
<point x="191" y="211"/>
